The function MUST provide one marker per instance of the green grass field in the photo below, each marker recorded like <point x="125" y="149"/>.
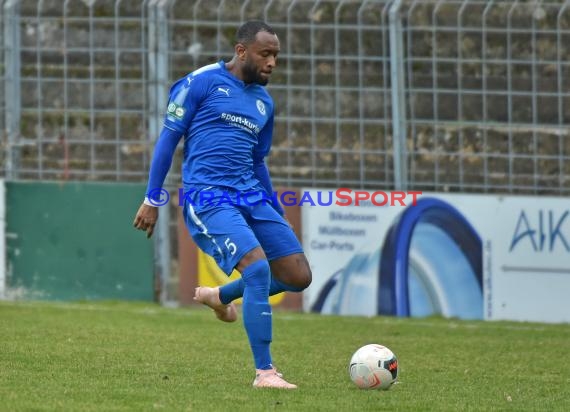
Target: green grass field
<point x="143" y="357"/>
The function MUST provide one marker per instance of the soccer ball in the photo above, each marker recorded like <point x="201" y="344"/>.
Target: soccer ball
<point x="373" y="367"/>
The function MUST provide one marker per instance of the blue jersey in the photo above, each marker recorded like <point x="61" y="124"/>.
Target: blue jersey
<point x="227" y="127"/>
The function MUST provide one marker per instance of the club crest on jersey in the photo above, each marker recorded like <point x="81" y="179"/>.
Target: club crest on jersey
<point x="260" y="107"/>
<point x="176" y="110"/>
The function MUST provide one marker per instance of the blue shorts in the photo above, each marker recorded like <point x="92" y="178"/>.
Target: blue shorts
<point x="228" y="230"/>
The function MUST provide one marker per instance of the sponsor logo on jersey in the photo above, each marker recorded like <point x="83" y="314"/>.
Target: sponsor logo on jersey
<point x="241" y="122"/>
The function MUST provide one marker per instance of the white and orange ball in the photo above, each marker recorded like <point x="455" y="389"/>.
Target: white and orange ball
<point x="373" y="367"/>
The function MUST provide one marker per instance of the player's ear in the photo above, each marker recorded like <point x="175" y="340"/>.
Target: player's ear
<point x="240" y="51"/>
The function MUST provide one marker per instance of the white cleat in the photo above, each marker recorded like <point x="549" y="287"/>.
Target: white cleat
<point x="211" y="298"/>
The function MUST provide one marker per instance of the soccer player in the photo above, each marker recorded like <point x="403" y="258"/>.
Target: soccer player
<point x="226" y="118"/>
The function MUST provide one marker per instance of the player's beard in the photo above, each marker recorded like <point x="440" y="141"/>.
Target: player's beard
<point x="252" y="75"/>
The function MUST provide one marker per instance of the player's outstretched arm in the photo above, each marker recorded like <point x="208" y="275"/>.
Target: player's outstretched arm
<point x="147" y="214"/>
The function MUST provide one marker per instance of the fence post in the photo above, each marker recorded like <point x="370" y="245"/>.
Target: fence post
<point x="11" y="20"/>
<point x="399" y="137"/>
<point x="157" y="89"/>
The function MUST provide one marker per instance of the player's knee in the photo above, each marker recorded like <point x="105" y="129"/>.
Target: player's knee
<point x="301" y="278"/>
<point x="293" y="270"/>
<point x="305" y="277"/>
<point x="257" y="274"/>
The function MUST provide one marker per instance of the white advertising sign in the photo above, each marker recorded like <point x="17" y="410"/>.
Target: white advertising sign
<point x="527" y="260"/>
<point x="336" y="229"/>
<point x="466" y="256"/>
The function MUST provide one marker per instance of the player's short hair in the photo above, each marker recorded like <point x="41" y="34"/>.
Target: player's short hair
<point x="247" y="31"/>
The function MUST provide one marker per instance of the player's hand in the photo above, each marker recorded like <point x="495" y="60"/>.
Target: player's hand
<point x="146" y="218"/>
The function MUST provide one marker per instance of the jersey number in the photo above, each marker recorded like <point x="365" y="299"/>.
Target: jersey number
<point x="231" y="246"/>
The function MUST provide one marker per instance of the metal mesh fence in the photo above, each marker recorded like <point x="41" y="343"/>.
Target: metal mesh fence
<point x="484" y="90"/>
<point x="487" y="95"/>
<point x="3" y="137"/>
<point x="83" y="91"/>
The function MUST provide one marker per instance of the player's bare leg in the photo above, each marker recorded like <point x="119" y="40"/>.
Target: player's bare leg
<point x="211" y="298"/>
<point x="293" y="271"/>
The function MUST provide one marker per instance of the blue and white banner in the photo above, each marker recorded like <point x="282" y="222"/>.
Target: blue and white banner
<point x="464" y="256"/>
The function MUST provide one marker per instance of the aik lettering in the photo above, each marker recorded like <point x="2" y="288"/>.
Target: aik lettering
<point x="543" y="231"/>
